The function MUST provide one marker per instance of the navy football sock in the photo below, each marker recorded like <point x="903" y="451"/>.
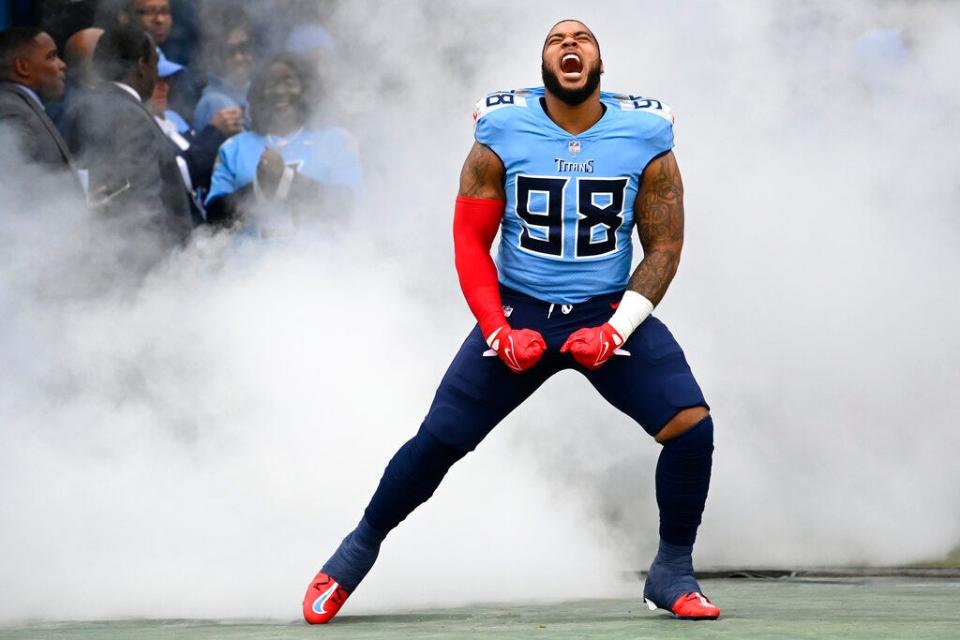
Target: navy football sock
<point x="411" y="477"/>
<point x="683" y="478"/>
<point x="670" y="575"/>
<point x="355" y="556"/>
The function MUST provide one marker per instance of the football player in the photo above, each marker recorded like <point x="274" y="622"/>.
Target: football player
<point x="565" y="172"/>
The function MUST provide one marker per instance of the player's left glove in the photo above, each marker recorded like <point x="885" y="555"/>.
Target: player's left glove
<point x="593" y="346"/>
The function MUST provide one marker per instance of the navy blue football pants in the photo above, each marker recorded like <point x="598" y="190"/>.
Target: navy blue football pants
<point x="651" y="385"/>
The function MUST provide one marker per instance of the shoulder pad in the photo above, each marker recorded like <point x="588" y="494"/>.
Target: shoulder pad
<point x="652" y="106"/>
<point x="499" y="100"/>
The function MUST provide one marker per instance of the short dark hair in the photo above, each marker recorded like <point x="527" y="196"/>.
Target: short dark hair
<point x="12" y="43"/>
<point x="257" y="95"/>
<point x="589" y="30"/>
<point x="120" y="49"/>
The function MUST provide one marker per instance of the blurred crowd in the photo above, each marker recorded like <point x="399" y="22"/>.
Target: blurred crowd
<point x="187" y="113"/>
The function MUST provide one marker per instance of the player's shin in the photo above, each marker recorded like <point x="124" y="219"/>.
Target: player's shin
<point x="683" y="479"/>
<point x="411" y="477"/>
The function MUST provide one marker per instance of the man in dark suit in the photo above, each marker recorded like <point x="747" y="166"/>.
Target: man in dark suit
<point x="132" y="164"/>
<point x="30" y="72"/>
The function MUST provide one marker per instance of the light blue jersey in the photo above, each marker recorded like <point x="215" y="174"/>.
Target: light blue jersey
<point x="566" y="229"/>
<point x="326" y="156"/>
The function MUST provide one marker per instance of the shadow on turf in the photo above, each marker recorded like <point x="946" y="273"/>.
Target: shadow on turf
<point x="418" y="618"/>
<point x="399" y="618"/>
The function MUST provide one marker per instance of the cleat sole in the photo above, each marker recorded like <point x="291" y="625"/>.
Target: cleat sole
<point x="653" y="606"/>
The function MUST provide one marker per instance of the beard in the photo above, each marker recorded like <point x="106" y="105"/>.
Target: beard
<point x="572" y="97"/>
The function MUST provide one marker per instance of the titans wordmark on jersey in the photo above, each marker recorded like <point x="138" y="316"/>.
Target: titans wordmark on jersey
<point x="566" y="229"/>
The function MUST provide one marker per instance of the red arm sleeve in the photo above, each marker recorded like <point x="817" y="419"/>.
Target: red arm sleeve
<point x="475" y="225"/>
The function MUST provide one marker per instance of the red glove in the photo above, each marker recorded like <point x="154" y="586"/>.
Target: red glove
<point x="519" y="349"/>
<point x="593" y="346"/>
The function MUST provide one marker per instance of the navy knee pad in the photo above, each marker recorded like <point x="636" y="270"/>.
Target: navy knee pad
<point x="683" y="478"/>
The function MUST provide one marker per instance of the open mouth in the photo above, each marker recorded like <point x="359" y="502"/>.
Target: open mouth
<point x="571" y="66"/>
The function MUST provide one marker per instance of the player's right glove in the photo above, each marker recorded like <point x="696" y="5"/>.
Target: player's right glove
<point x="519" y="349"/>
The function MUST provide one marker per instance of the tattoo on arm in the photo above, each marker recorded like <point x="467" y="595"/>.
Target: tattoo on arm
<point x="483" y="174"/>
<point x="659" y="215"/>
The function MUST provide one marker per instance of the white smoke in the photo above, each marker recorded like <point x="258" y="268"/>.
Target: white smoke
<point x="195" y="442"/>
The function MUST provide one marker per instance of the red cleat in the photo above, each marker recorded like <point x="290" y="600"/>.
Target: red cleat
<point x="323" y="599"/>
<point x="691" y="606"/>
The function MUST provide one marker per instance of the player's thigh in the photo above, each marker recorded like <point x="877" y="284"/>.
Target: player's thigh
<point x="476" y="393"/>
<point x="654" y="382"/>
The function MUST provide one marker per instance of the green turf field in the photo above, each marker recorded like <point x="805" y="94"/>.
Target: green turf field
<point x="847" y="608"/>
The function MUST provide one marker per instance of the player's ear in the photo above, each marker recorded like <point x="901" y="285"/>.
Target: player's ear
<point x="601" y="66"/>
<point x="22" y="66"/>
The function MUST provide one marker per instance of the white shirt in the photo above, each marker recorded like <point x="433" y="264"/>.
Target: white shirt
<point x="129" y="90"/>
<point x="170" y="130"/>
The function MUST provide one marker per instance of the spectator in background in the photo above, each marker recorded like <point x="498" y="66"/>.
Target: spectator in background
<point x="182" y="41"/>
<point x="30" y="72"/>
<point x="228" y="51"/>
<point x="278" y="25"/>
<point x="156" y="18"/>
<point x="78" y="55"/>
<point x="63" y="18"/>
<point x="299" y="170"/>
<point x="311" y="42"/>
<point x="132" y="165"/>
<point x="197" y="150"/>
<point x="160" y="100"/>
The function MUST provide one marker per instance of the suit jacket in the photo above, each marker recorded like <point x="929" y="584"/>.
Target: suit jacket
<point x="39" y="139"/>
<point x="131" y="163"/>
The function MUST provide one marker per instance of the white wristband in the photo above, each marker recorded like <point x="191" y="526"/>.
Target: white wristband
<point x="283" y="188"/>
<point x="286" y="181"/>
<point x="632" y="311"/>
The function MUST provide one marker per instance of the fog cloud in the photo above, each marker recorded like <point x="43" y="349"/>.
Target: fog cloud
<point x="195" y="441"/>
